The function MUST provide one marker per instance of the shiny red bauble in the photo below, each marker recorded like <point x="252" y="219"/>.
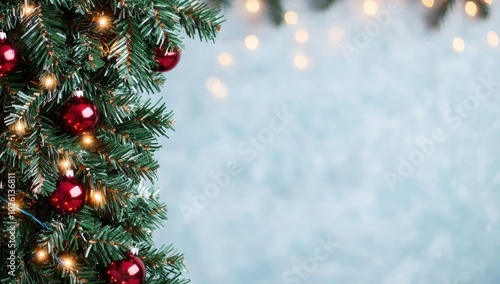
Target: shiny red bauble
<point x="69" y="197"/>
<point x="167" y="60"/>
<point x="79" y="115"/>
<point x="126" y="271"/>
<point x="9" y="57"/>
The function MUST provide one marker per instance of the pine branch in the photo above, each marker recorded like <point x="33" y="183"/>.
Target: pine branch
<point x="440" y="12"/>
<point x="44" y="34"/>
<point x="323" y="4"/>
<point x="275" y="11"/>
<point x="198" y="18"/>
<point x="483" y="8"/>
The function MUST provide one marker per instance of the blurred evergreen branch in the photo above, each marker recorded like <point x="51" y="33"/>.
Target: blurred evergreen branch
<point x="276" y="9"/>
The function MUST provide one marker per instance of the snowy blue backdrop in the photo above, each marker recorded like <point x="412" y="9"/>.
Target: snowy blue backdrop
<point x="376" y="163"/>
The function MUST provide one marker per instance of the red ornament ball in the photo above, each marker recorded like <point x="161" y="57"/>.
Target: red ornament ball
<point x="79" y="115"/>
<point x="167" y="60"/>
<point x="69" y="196"/>
<point x="126" y="271"/>
<point x="9" y="58"/>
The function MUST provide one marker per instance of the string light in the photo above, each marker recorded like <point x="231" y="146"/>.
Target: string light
<point x="48" y="81"/>
<point x="64" y="164"/>
<point x="252" y="6"/>
<point x="291" y="17"/>
<point x="370" y="7"/>
<point x="220" y="92"/>
<point x="301" y="36"/>
<point x="251" y="42"/>
<point x="225" y="59"/>
<point x="211" y="82"/>
<point x="103" y="21"/>
<point x="300" y="61"/>
<point x="428" y="3"/>
<point x="19" y="127"/>
<point x="470" y="8"/>
<point x="488" y="2"/>
<point x="67" y="262"/>
<point x="493" y="39"/>
<point x="218" y="89"/>
<point x="97" y="198"/>
<point x="41" y="255"/>
<point x="28" y="9"/>
<point x="458" y="44"/>
<point x="88" y="139"/>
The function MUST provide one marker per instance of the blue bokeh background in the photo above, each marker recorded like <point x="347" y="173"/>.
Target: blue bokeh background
<point x="391" y="157"/>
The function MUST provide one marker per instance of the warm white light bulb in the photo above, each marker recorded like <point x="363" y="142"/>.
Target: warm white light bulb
<point x="370" y="7"/>
<point x="97" y="197"/>
<point x="88" y="139"/>
<point x="225" y="59"/>
<point x="19" y="127"/>
<point x="49" y="81"/>
<point x="67" y="262"/>
<point x="28" y="9"/>
<point x="252" y="6"/>
<point x="470" y="8"/>
<point x="301" y="36"/>
<point x="251" y="42"/>
<point x="493" y="39"/>
<point x="428" y="3"/>
<point x="291" y="18"/>
<point x="65" y="164"/>
<point x="41" y="255"/>
<point x="458" y="44"/>
<point x="301" y="61"/>
<point x="103" y="21"/>
<point x="217" y="88"/>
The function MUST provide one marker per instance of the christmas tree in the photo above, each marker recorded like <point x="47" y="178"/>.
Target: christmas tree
<point x="77" y="141"/>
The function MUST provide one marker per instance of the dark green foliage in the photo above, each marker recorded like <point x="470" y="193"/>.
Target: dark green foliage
<point x="113" y="66"/>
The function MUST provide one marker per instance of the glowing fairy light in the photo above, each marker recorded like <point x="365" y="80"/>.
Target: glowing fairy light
<point x="370" y="7"/>
<point x="458" y="44"/>
<point x="291" y="17"/>
<point x="225" y="59"/>
<point x="88" y="140"/>
<point x="28" y="9"/>
<point x="302" y="36"/>
<point x="67" y="262"/>
<point x="428" y="3"/>
<point x="49" y="81"/>
<point x="19" y="127"/>
<point x="103" y="21"/>
<point x="470" y="8"/>
<point x="493" y="39"/>
<point x="251" y="42"/>
<point x="301" y="61"/>
<point x="65" y="164"/>
<point x="41" y="255"/>
<point x="252" y="6"/>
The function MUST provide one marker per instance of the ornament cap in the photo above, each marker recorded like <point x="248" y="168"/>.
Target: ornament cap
<point x="69" y="173"/>
<point x="3" y="35"/>
<point x="134" y="251"/>
<point x="77" y="93"/>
